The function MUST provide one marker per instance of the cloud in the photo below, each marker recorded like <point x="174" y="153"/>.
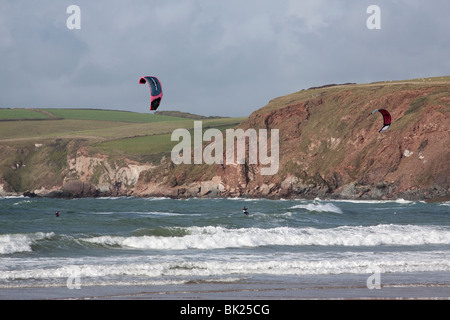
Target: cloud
<point x="212" y="57"/>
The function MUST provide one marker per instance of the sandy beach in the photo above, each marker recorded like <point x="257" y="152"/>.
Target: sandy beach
<point x="392" y="286"/>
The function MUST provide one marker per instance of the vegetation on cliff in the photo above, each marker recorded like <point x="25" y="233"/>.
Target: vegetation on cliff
<point x="330" y="143"/>
<point x="329" y="147"/>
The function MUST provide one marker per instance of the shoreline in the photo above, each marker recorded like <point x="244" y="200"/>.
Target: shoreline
<point x="329" y="197"/>
<point x="159" y="249"/>
<point x="398" y="286"/>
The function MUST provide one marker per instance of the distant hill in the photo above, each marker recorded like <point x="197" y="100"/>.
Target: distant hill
<point x="41" y="149"/>
<point x="186" y="115"/>
<point x="330" y="147"/>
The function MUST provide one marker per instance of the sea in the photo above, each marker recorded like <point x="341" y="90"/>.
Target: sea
<point x="161" y="248"/>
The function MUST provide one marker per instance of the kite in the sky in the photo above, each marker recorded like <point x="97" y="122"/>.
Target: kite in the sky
<point x="155" y="91"/>
<point x="386" y="118"/>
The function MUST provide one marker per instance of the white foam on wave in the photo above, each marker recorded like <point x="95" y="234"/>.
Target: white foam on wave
<point x="102" y="212"/>
<point x="399" y="201"/>
<point x="22" y="202"/>
<point x="246" y="199"/>
<point x="151" y="213"/>
<point x="13" y="197"/>
<point x="114" y="198"/>
<point x="159" y="213"/>
<point x="13" y="243"/>
<point x="206" y="238"/>
<point x="318" y="207"/>
<point x="174" y="268"/>
<point x="156" y="198"/>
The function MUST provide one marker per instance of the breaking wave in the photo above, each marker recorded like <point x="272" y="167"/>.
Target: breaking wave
<point x="210" y="237"/>
<point x="13" y="243"/>
<point x="171" y="268"/>
<point x="319" y="207"/>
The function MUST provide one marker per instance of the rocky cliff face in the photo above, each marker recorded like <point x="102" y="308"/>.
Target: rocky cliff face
<point x="329" y="147"/>
<point x="95" y="176"/>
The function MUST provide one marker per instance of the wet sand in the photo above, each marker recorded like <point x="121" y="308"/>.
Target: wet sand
<point x="391" y="286"/>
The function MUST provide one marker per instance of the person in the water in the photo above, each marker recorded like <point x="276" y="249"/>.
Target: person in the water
<point x="57" y="213"/>
<point x="245" y="210"/>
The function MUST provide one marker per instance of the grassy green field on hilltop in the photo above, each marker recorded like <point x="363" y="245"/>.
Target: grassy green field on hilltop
<point x="21" y="114"/>
<point x="107" y="131"/>
<point x="36" y="143"/>
<point x="109" y="115"/>
<point x="359" y="91"/>
<point x="95" y="125"/>
<point x="153" y="147"/>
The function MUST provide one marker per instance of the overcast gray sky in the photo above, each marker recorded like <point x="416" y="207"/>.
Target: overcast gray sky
<point x="224" y="57"/>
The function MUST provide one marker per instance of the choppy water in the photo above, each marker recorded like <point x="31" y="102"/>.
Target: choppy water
<point x="159" y="241"/>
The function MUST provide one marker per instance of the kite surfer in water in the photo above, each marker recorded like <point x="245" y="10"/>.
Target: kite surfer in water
<point x="245" y="210"/>
<point x="57" y="213"/>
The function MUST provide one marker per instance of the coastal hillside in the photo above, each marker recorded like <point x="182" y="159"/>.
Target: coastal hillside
<point x="84" y="152"/>
<point x="329" y="147"/>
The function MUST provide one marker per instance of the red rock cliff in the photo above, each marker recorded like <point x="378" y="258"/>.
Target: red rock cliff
<point x="330" y="147"/>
